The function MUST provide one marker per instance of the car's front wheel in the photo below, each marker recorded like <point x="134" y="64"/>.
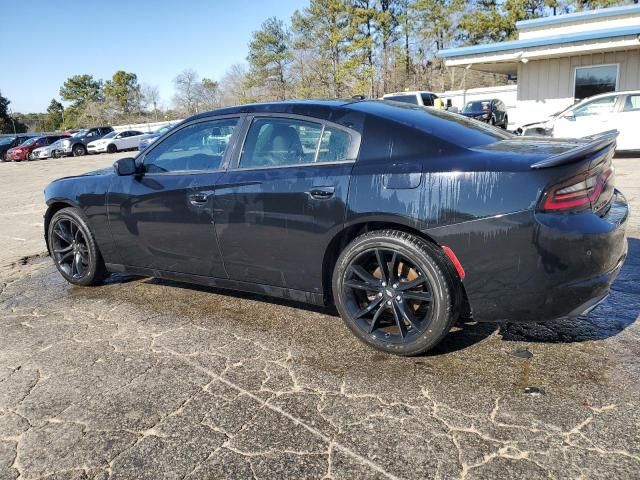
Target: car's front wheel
<point x="111" y="148"/>
<point x="73" y="248"/>
<point x="396" y="292"/>
<point x="78" y="150"/>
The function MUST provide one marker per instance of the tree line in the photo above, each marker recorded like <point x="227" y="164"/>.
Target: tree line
<point x="329" y="49"/>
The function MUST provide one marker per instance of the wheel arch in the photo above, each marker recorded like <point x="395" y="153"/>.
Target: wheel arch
<point x="54" y="207"/>
<point x="347" y="234"/>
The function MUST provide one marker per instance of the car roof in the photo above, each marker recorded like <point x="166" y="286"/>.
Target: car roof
<point x="314" y="108"/>
<point x="412" y="92"/>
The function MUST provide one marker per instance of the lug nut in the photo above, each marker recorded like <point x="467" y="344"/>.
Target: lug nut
<point x="379" y="294"/>
<point x="398" y="297"/>
<point x="388" y="302"/>
<point x="384" y="284"/>
<point x="395" y="285"/>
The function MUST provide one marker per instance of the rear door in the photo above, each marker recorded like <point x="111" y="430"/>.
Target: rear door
<point x="283" y="201"/>
<point x="627" y="121"/>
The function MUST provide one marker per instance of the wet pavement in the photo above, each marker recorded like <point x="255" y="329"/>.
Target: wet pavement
<point x="143" y="378"/>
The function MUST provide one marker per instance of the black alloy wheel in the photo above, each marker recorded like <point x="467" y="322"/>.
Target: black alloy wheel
<point x="396" y="292"/>
<point x="111" y="148"/>
<point x="78" y="150"/>
<point x="73" y="248"/>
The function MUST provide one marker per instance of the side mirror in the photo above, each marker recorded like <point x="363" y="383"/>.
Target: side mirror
<point x="126" y="166"/>
<point x="570" y="115"/>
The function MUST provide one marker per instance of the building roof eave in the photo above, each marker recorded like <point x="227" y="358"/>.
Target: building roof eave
<point x="515" y="45"/>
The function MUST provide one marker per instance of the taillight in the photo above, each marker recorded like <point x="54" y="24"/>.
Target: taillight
<point x="578" y="193"/>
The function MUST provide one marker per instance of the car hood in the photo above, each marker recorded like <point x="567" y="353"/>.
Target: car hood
<point x="101" y="172"/>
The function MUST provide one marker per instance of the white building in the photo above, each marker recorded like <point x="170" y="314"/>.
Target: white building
<point x="559" y="60"/>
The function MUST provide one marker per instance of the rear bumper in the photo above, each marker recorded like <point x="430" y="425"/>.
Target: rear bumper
<point x="536" y="267"/>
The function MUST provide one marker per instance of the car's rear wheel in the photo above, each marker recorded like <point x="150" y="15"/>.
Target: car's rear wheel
<point x="396" y="292"/>
<point x="31" y="157"/>
<point x="111" y="148"/>
<point x="505" y="124"/>
<point x="73" y="248"/>
<point x="78" y="150"/>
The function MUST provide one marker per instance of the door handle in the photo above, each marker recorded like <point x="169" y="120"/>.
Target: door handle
<point x="198" y="199"/>
<point x="322" y="193"/>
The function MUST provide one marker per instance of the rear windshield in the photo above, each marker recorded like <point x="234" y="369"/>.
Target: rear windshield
<point x="449" y="127"/>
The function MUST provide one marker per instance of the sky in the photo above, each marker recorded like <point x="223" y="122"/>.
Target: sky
<point x="47" y="41"/>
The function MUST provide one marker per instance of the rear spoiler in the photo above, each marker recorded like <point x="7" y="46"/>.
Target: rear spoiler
<point x="596" y="142"/>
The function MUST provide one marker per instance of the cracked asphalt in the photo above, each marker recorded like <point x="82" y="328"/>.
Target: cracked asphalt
<point x="143" y="378"/>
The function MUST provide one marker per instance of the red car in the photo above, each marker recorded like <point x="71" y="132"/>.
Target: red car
<point x="22" y="151"/>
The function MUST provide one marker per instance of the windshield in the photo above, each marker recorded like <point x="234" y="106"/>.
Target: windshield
<point x="6" y="141"/>
<point x="476" y="107"/>
<point x="31" y="141"/>
<point x="80" y="133"/>
<point x="557" y="114"/>
<point x="110" y="135"/>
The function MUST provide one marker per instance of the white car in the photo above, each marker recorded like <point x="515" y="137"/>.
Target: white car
<point x="115" y="141"/>
<point x="46" y="152"/>
<point x="607" y="111"/>
<point x="422" y="98"/>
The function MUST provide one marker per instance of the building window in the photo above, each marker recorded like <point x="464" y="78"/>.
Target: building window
<point x="591" y="81"/>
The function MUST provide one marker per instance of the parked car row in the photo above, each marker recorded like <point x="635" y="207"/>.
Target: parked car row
<point x="492" y="111"/>
<point x="24" y="151"/>
<point x="76" y="143"/>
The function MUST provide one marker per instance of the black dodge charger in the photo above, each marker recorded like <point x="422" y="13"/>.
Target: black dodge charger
<point x="406" y="218"/>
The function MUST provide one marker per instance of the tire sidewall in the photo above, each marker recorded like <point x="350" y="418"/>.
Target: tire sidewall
<point x="441" y="304"/>
<point x="94" y="256"/>
<point x="78" y="150"/>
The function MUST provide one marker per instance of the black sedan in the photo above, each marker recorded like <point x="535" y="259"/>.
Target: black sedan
<point x="406" y="218"/>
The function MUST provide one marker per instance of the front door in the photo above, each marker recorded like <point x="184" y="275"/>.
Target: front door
<point x="627" y="121"/>
<point x="593" y="117"/>
<point x="163" y="218"/>
<point x="276" y="212"/>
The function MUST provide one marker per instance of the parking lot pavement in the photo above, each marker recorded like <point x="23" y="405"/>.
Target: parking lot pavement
<point x="143" y="378"/>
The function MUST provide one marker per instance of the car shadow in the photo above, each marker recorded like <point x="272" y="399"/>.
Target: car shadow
<point x="616" y="313"/>
<point x="244" y="295"/>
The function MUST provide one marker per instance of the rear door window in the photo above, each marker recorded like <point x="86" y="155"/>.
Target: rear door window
<point x="274" y="142"/>
<point x="632" y="103"/>
<point x="427" y="100"/>
<point x="404" y="99"/>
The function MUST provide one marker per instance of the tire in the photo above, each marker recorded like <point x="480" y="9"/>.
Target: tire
<point x="70" y="243"/>
<point x="427" y="309"/>
<point x="505" y="124"/>
<point x="111" y="148"/>
<point x="492" y="121"/>
<point x="30" y="157"/>
<point x="78" y="150"/>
